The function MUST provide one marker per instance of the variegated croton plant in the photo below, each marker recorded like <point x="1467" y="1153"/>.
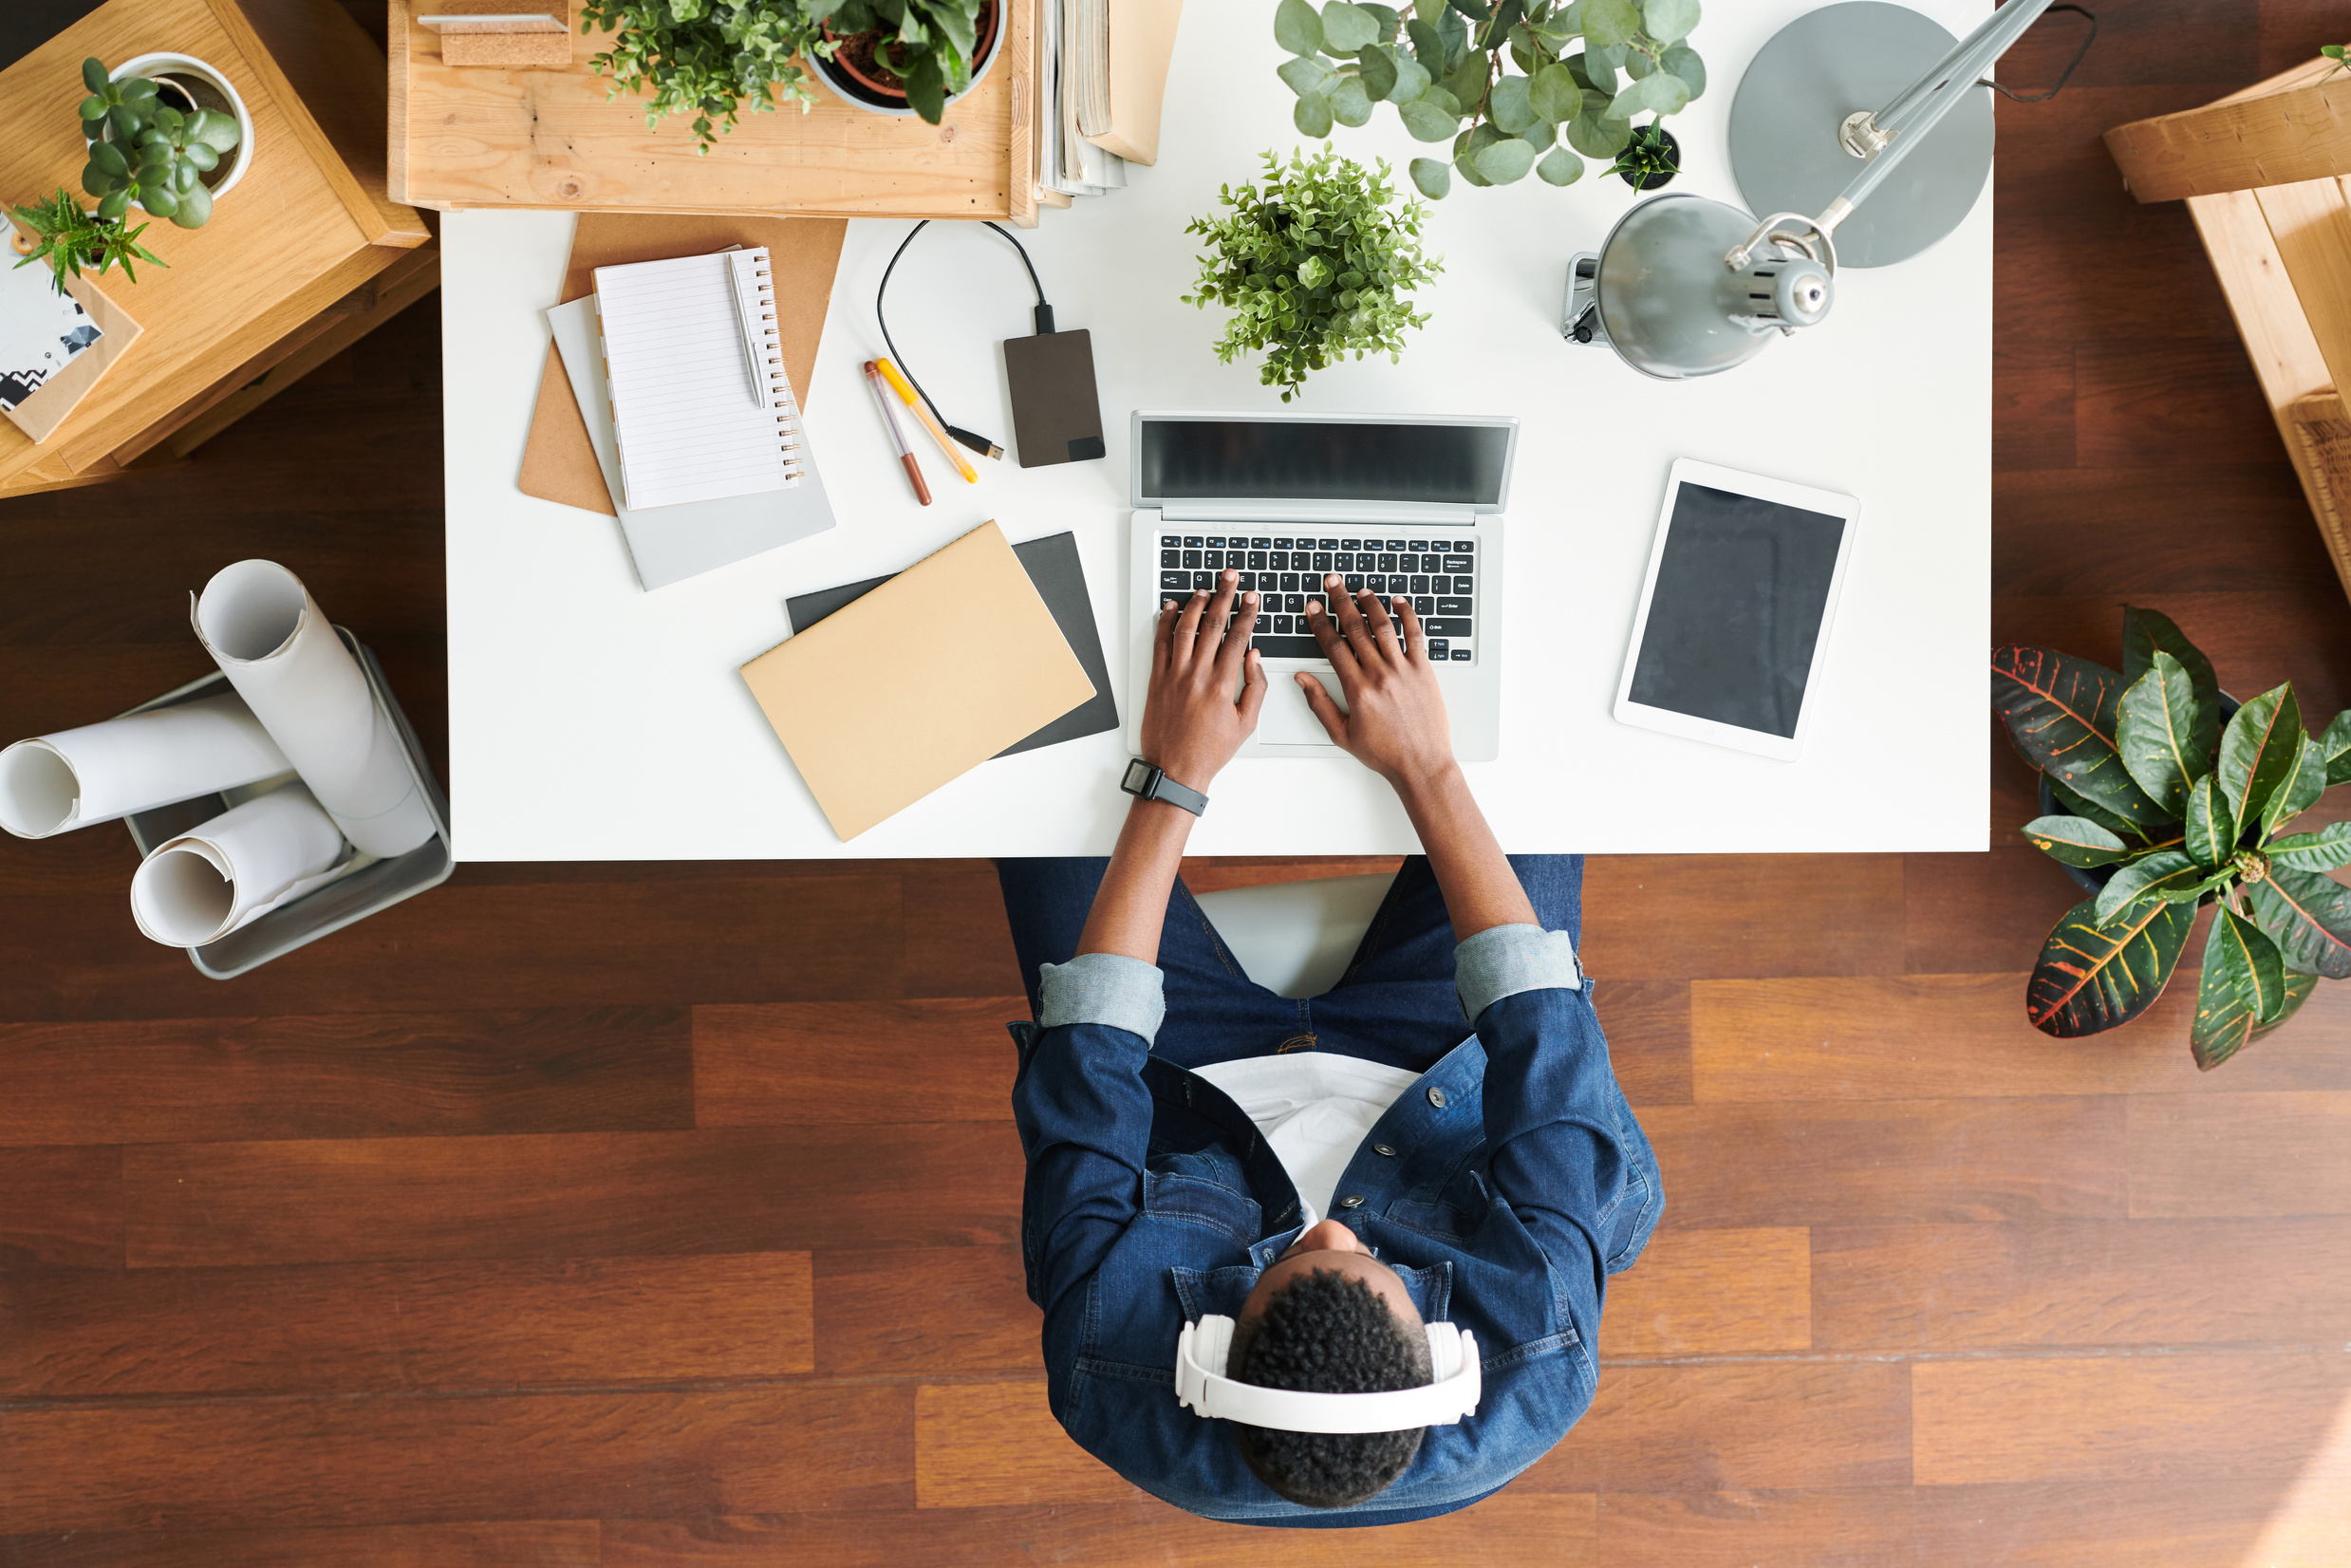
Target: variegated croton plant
<point x="2174" y="809"/>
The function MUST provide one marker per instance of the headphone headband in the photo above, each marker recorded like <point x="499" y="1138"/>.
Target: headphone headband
<point x="1201" y="1387"/>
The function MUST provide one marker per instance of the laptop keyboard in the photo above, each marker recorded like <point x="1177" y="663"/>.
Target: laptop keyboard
<point x="1438" y="575"/>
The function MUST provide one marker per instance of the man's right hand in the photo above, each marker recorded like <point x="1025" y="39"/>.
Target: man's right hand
<point x="1395" y="723"/>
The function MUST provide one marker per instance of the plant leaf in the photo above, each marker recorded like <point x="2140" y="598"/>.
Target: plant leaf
<point x="1376" y="68"/>
<point x="2323" y="851"/>
<point x="1505" y="160"/>
<point x="2334" y="745"/>
<point x="1553" y="93"/>
<point x="1660" y="93"/>
<point x="1297" y="28"/>
<point x="1669" y="21"/>
<point x="1509" y="107"/>
<point x="2155" y="733"/>
<point x="2093" y="977"/>
<point x="2297" y="989"/>
<point x="1350" y="105"/>
<point x="1598" y="138"/>
<point x="1305" y="74"/>
<point x="2242" y="987"/>
<point x="2151" y="875"/>
<point x="2144" y="631"/>
<point x="2301" y="790"/>
<point x="1312" y="115"/>
<point x="1683" y="62"/>
<point x="2211" y="831"/>
<point x="1610" y="23"/>
<point x="2257" y="751"/>
<point x="1347" y="27"/>
<point x="1427" y="122"/>
<point x="2308" y="916"/>
<point x="2077" y="805"/>
<point x="2062" y="713"/>
<point x="1559" y="167"/>
<point x="2074" y="841"/>
<point x="94" y="74"/>
<point x="1433" y="179"/>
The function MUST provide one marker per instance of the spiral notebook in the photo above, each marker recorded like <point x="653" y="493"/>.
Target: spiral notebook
<point x="702" y="407"/>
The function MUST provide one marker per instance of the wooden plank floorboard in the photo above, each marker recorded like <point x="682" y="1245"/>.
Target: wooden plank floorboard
<point x="1647" y="1024"/>
<point x="1686" y="917"/>
<point x="584" y="1195"/>
<point x="1712" y="1292"/>
<point x="2150" y="534"/>
<point x="559" y="1543"/>
<point x="778" y="1064"/>
<point x="404" y="1327"/>
<point x="914" y="1311"/>
<point x="60" y="1207"/>
<point x="347" y="1075"/>
<point x="2254" y="1154"/>
<point x="984" y="1445"/>
<point x="1732" y="1425"/>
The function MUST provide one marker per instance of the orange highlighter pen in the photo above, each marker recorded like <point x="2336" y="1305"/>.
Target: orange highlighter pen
<point x="898" y="437"/>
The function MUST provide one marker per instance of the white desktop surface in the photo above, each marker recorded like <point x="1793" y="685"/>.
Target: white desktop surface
<point x="591" y="721"/>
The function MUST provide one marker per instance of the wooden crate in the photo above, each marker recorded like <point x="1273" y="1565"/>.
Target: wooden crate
<point x="498" y="136"/>
<point x="2262" y="171"/>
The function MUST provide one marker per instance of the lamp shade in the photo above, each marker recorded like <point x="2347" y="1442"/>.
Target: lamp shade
<point x="1670" y="307"/>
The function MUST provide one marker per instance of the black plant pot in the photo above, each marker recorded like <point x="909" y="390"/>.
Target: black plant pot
<point x="1656" y="178"/>
<point x="2093" y="879"/>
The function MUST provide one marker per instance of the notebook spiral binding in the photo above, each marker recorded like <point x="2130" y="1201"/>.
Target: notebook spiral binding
<point x="770" y="355"/>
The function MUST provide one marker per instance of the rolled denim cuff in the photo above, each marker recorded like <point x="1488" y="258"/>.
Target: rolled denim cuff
<point x="1104" y="988"/>
<point x="1503" y="960"/>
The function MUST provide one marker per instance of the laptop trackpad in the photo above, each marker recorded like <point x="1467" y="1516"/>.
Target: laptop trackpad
<point x="1286" y="721"/>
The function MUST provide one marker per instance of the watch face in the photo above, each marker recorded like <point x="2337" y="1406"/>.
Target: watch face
<point x="1138" y="775"/>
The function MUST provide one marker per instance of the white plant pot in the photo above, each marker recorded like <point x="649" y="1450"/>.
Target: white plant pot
<point x="164" y="65"/>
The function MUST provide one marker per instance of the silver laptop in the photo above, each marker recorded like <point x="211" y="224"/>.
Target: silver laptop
<point x="1401" y="504"/>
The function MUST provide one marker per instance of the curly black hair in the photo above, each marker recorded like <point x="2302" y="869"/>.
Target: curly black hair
<point x="1329" y="1333"/>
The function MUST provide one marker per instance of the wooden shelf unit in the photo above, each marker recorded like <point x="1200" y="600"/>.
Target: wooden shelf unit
<point x="522" y="135"/>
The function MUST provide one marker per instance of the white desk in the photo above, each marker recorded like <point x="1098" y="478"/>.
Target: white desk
<point x="591" y="721"/>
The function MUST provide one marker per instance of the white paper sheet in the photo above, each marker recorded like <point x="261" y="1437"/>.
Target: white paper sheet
<point x="237" y="868"/>
<point x="100" y="772"/>
<point x="277" y="649"/>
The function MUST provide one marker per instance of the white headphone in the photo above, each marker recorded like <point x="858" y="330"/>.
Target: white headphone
<point x="1202" y="1388"/>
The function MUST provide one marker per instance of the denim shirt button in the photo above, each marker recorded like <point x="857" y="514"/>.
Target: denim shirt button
<point x="1354" y="1199"/>
<point x="1436" y="1098"/>
<point x="1384" y="1149"/>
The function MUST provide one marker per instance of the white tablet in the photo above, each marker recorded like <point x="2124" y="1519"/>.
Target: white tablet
<point x="1735" y="615"/>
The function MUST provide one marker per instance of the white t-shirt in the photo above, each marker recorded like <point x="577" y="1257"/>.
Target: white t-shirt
<point x="1314" y="1108"/>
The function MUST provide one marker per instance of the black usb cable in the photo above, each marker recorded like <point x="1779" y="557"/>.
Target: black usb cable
<point x="1043" y="316"/>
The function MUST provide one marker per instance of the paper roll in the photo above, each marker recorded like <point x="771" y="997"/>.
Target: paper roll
<point x="104" y="772"/>
<point x="242" y="864"/>
<point x="278" y="649"/>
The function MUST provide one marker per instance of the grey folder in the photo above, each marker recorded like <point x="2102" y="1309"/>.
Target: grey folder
<point x="1052" y="564"/>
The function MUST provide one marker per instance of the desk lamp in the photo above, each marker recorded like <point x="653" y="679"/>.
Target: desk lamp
<point x="1686" y="286"/>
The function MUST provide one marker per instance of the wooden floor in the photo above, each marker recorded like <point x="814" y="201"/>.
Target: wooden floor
<point x="664" y="1215"/>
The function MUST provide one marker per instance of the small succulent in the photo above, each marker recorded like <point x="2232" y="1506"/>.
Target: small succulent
<point x="1316" y="266"/>
<point x="71" y="239"/>
<point x="142" y="149"/>
<point x="1648" y="160"/>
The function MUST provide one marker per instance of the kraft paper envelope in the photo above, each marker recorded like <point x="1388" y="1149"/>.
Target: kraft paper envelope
<point x="910" y="687"/>
<point x="558" y="464"/>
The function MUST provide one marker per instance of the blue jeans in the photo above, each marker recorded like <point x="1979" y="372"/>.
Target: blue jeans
<point x="1395" y="1004"/>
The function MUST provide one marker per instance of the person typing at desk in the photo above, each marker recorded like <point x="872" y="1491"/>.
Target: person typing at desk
<point x="1330" y="1262"/>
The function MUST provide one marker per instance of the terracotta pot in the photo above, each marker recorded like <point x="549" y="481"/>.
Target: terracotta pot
<point x="856" y="76"/>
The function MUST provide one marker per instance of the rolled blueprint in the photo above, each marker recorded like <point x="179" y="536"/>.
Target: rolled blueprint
<point x="242" y="864"/>
<point x="275" y="645"/>
<point x="102" y="771"/>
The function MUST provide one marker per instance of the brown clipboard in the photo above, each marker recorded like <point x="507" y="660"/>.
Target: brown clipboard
<point x="42" y="412"/>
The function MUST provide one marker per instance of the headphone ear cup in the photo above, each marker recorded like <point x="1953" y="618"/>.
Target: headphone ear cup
<point x="1212" y="1343"/>
<point x="1445" y="1350"/>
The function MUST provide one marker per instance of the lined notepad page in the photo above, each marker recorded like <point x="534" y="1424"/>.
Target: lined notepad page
<point x="701" y="406"/>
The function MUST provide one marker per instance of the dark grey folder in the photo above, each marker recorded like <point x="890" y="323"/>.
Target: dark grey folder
<point x="1052" y="564"/>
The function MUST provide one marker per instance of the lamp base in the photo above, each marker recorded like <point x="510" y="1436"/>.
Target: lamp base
<point x="1820" y="68"/>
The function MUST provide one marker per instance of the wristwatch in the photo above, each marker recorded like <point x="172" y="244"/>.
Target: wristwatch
<point x="1146" y="781"/>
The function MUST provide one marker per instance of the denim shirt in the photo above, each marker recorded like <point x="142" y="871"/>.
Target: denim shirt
<point x="1518" y="1181"/>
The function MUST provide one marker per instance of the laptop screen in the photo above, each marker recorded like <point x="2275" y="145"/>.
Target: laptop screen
<point x="1285" y="460"/>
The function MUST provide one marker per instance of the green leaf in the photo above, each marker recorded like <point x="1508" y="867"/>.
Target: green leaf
<point x="2152" y="875"/>
<point x="94" y="109"/>
<point x="219" y="132"/>
<point x="2144" y="631"/>
<point x="2074" y="841"/>
<point x="2324" y="850"/>
<point x="1553" y="93"/>
<point x="109" y="159"/>
<point x="1683" y="62"/>
<point x="1468" y="9"/>
<point x="1506" y="162"/>
<point x="1383" y="18"/>
<point x="1559" y="167"/>
<point x="1658" y="93"/>
<point x="1467" y="82"/>
<point x="1297" y="28"/>
<point x="2062" y="714"/>
<point x="1303" y="74"/>
<point x="1608" y="23"/>
<point x="2155" y="733"/>
<point x="1426" y="47"/>
<point x="2211" y="831"/>
<point x="2094" y="976"/>
<point x="2308" y="916"/>
<point x="1443" y="100"/>
<point x="2297" y="989"/>
<point x="2243" y="986"/>
<point x="2301" y="790"/>
<point x="201" y="157"/>
<point x="1598" y="138"/>
<point x="123" y="122"/>
<point x="926" y="90"/>
<point x="159" y="200"/>
<point x="114" y="204"/>
<point x="1312" y="115"/>
<point x="1376" y="68"/>
<point x="1347" y="27"/>
<point x="2082" y="807"/>
<point x="2258" y="750"/>
<point x="94" y="74"/>
<point x="195" y="208"/>
<point x="1508" y="105"/>
<point x="1669" y="21"/>
<point x="1427" y="122"/>
<point x="1433" y="180"/>
<point x="2334" y="745"/>
<point x="1350" y="105"/>
<point x="1593" y="74"/>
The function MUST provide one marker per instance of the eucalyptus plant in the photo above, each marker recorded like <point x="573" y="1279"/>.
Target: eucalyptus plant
<point x="1315" y="265"/>
<point x="72" y="240"/>
<point x="142" y="149"/>
<point x="2174" y="809"/>
<point x="1445" y="64"/>
<point x="707" y="57"/>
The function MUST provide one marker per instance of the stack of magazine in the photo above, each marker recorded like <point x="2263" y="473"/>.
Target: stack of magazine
<point x="1072" y="56"/>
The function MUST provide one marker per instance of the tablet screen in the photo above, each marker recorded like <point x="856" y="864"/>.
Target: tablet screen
<point x="1741" y="587"/>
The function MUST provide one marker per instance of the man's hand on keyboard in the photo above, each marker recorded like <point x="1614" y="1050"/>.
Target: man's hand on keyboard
<point x="1395" y="724"/>
<point x="1192" y="724"/>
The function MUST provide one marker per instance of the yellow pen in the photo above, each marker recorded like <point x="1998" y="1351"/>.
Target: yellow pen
<point x="905" y="395"/>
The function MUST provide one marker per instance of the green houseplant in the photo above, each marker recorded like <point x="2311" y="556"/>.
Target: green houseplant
<point x="1315" y="265"/>
<point x="1585" y="69"/>
<point x="924" y="49"/>
<point x="70" y="239"/>
<point x="142" y="149"/>
<point x="707" y="57"/>
<point x="2163" y="807"/>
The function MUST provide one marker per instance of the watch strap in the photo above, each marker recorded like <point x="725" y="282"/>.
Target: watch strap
<point x="1154" y="784"/>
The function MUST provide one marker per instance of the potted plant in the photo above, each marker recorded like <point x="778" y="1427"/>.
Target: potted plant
<point x="60" y="233"/>
<point x="1450" y="79"/>
<point x="165" y="131"/>
<point x="1650" y="159"/>
<point x="910" y="56"/>
<point x="1316" y="266"/>
<point x="707" y="58"/>
<point x="2167" y="799"/>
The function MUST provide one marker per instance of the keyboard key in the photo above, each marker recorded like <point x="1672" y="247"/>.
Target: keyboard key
<point x="1191" y="559"/>
<point x="1424" y="608"/>
<point x="1281" y="624"/>
<point x="1258" y="544"/>
<point x="1175" y="582"/>
<point x="1282" y="544"/>
<point x="1193" y="542"/>
<point x="1286" y="647"/>
<point x="1326" y="544"/>
<point x="1342" y="562"/>
<point x="1294" y="603"/>
<point x="1417" y="544"/>
<point x="1279" y="560"/>
<point x="1205" y="580"/>
<point x="1248" y="582"/>
<point x="1453" y="607"/>
<point x="1355" y="582"/>
<point x="1322" y="560"/>
<point x="1257" y="560"/>
<point x="1437" y="647"/>
<point x="1376" y="583"/>
<point x="1171" y="557"/>
<point x="1444" y="628"/>
<point x="1387" y="563"/>
<point x="1420" y="585"/>
<point x="1440" y="546"/>
<point x="1289" y="582"/>
<point x="1456" y="563"/>
<point x="1432" y="563"/>
<point x="1351" y="544"/>
<point x="1216" y="542"/>
<point x="1395" y="544"/>
<point x="1461" y="656"/>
